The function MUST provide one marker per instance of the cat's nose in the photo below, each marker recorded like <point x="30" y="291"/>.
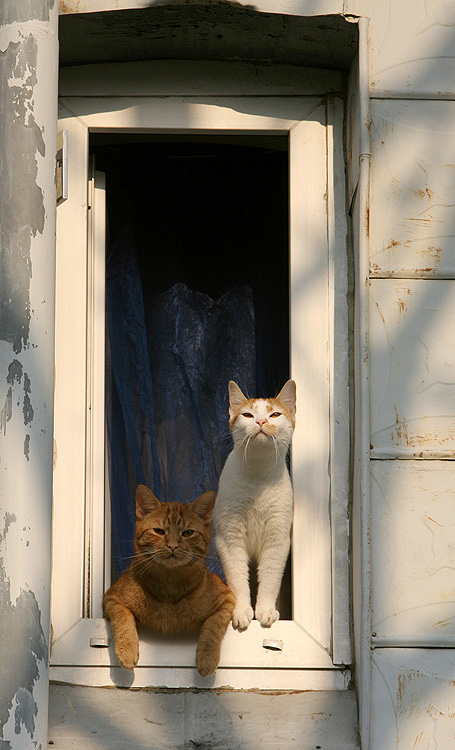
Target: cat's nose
<point x="173" y="546"/>
<point x="260" y="421"/>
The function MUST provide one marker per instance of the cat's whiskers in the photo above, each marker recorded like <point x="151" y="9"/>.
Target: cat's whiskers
<point x="246" y="450"/>
<point x="240" y="443"/>
<point x="196" y="560"/>
<point x="275" y="444"/>
<point x="145" y="567"/>
<point x="150" y="559"/>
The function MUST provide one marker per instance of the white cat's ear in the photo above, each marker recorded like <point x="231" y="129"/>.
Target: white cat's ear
<point x="287" y="397"/>
<point x="236" y="398"/>
<point x="204" y="505"/>
<point x="145" y="501"/>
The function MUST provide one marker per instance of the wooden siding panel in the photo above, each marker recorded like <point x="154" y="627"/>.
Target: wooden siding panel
<point x="413" y="699"/>
<point x="411" y="46"/>
<point x="412" y="378"/>
<point x="413" y="189"/>
<point x="413" y="552"/>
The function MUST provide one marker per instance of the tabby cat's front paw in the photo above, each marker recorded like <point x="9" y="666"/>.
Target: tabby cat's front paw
<point x="127" y="654"/>
<point x="242" y="617"/>
<point x="206" y="663"/>
<point x="266" y="615"/>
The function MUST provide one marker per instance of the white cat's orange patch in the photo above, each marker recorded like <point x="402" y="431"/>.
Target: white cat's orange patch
<point x="278" y="406"/>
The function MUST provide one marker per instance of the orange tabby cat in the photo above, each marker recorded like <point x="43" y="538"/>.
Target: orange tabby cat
<point x="167" y="586"/>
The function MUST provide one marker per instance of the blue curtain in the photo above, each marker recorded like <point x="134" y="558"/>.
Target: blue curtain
<point x="172" y="356"/>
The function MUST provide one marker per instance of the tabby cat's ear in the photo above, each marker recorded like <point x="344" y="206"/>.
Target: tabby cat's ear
<point x="203" y="506"/>
<point x="287" y="397"/>
<point x="236" y="398"/>
<point x="145" y="501"/>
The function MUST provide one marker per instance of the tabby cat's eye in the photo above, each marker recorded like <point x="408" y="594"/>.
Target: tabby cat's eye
<point x="276" y="414"/>
<point x="159" y="531"/>
<point x="247" y="414"/>
<point x="188" y="532"/>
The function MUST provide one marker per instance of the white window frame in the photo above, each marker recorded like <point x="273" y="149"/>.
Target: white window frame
<point x="316" y="643"/>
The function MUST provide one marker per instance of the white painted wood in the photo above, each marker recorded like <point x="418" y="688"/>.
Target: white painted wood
<point x="413" y="695"/>
<point x="238" y="648"/>
<point x="339" y="383"/>
<point x="356" y="536"/>
<point x="309" y="638"/>
<point x="191" y="113"/>
<point x="188" y="677"/>
<point x="95" y="461"/>
<point x="413" y="189"/>
<point x="352" y="131"/>
<point x="412" y="368"/>
<point x="70" y="385"/>
<point x="190" y="77"/>
<point x="362" y="496"/>
<point x="358" y="163"/>
<point x="310" y="369"/>
<point x="413" y="552"/>
<point x="293" y="7"/>
<point x="411" y="47"/>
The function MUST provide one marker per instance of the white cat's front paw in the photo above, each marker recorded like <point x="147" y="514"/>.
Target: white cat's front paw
<point x="242" y="617"/>
<point x="266" y="615"/>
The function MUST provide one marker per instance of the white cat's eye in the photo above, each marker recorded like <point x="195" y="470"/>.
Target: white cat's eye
<point x="247" y="414"/>
<point x="188" y="532"/>
<point x="276" y="414"/>
<point x="159" y="531"/>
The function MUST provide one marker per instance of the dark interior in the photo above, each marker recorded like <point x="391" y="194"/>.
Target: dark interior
<point x="210" y="212"/>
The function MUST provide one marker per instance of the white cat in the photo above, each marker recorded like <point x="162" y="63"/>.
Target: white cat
<point x="253" y="511"/>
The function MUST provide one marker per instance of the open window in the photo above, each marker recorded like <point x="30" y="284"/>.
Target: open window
<point x="198" y="204"/>
<point x="197" y="293"/>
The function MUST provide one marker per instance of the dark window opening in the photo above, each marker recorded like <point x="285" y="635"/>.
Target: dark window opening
<point x="197" y="293"/>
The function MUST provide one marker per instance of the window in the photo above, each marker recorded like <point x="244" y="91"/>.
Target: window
<point x="309" y="130"/>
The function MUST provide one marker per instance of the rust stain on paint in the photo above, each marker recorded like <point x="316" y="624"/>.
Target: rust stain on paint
<point x="65" y="6"/>
<point x="444" y="623"/>
<point x="401" y="429"/>
<point x="405" y="679"/>
<point x="432" y="520"/>
<point x="380" y="313"/>
<point x="402" y="303"/>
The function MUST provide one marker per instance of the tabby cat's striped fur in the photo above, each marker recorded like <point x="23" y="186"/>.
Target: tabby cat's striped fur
<point x="167" y="586"/>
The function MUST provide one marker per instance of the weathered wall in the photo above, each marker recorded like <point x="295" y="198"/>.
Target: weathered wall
<point x="412" y="368"/>
<point x="412" y="371"/>
<point x="28" y="84"/>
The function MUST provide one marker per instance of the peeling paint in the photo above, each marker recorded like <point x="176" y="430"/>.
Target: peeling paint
<point x="24" y="10"/>
<point x="15" y="371"/>
<point x="28" y="103"/>
<point x="22" y="212"/>
<point x="22" y="646"/>
<point x="27" y="447"/>
<point x="7" y="411"/>
<point x="27" y="408"/>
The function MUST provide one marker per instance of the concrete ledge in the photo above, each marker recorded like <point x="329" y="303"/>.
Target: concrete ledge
<point x="113" y="719"/>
